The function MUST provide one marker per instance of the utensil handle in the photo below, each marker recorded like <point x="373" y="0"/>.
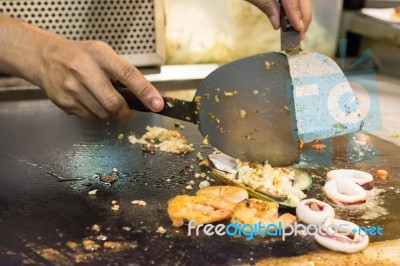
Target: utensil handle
<point x="173" y="108"/>
<point x="290" y="37"/>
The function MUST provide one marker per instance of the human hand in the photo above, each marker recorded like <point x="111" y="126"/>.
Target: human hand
<point x="76" y="76"/>
<point x="299" y="13"/>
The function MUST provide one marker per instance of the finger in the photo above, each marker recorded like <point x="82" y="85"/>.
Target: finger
<point x="131" y="77"/>
<point x="124" y="113"/>
<point x="86" y="99"/>
<point x="293" y="12"/>
<point x="72" y="107"/>
<point x="103" y="91"/>
<point x="119" y="69"/>
<point x="76" y="90"/>
<point x="306" y="13"/>
<point x="83" y="113"/>
<point x="111" y="100"/>
<point x="270" y="8"/>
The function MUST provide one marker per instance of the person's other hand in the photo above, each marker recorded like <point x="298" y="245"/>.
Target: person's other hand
<point x="299" y="13"/>
<point x="76" y="77"/>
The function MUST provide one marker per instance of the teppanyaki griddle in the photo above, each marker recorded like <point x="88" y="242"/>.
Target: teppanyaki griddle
<point x="49" y="162"/>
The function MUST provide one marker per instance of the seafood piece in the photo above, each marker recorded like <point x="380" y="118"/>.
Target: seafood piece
<point x="344" y="193"/>
<point x="224" y="163"/>
<point x="341" y="235"/>
<point x="229" y="193"/>
<point x="362" y="178"/>
<point x="383" y="174"/>
<point x="199" y="209"/>
<point x="313" y="211"/>
<point x="283" y="185"/>
<point x="254" y="211"/>
<point x="318" y="146"/>
<point x="287" y="219"/>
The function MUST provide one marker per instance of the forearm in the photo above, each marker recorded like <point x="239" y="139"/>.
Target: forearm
<point x="22" y="47"/>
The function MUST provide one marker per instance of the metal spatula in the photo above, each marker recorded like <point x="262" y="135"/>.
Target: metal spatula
<point x="242" y="107"/>
<point x="259" y="108"/>
<point x="323" y="104"/>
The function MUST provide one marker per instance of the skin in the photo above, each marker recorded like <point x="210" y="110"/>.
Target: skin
<point x="77" y="75"/>
<point x="299" y="13"/>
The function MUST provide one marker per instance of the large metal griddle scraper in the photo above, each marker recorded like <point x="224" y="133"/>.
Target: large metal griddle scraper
<point x="259" y="108"/>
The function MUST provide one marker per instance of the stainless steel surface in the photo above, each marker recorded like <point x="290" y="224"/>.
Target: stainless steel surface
<point x="389" y="107"/>
<point x="290" y="38"/>
<point x="382" y="38"/>
<point x="363" y="25"/>
<point x="135" y="29"/>
<point x="165" y="78"/>
<point x="382" y="3"/>
<point x="254" y="123"/>
<point x="317" y="83"/>
<point x="242" y="108"/>
<point x="319" y="86"/>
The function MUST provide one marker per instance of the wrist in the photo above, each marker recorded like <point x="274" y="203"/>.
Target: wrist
<point x="22" y="49"/>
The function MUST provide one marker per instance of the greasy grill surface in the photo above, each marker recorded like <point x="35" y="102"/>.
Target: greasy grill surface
<point x="49" y="162"/>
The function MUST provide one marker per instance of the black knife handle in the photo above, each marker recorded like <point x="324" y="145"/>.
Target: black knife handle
<point x="174" y="108"/>
<point x="133" y="102"/>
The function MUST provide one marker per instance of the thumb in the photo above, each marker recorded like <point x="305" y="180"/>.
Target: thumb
<point x="270" y="8"/>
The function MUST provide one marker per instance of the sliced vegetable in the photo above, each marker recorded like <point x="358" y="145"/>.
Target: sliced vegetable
<point x="303" y="180"/>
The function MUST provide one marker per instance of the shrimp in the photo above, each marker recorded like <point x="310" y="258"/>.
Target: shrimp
<point x="231" y="195"/>
<point x="210" y="205"/>
<point x="199" y="209"/>
<point x="254" y="211"/>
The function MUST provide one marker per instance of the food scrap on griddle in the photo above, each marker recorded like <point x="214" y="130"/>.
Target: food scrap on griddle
<point x="162" y="139"/>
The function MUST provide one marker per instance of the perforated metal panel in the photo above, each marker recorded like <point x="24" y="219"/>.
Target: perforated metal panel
<point x="128" y="26"/>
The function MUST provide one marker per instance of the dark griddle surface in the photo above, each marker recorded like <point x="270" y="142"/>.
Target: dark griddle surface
<point x="42" y="149"/>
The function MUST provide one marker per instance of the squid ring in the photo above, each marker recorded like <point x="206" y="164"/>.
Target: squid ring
<point x="313" y="211"/>
<point x="364" y="179"/>
<point x="341" y="235"/>
<point x="344" y="193"/>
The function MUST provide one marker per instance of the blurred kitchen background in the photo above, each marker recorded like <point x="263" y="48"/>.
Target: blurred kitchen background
<point x="224" y="30"/>
<point x="176" y="43"/>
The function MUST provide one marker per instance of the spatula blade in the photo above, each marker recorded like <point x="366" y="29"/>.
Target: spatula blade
<point x="325" y="104"/>
<point x="244" y="110"/>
